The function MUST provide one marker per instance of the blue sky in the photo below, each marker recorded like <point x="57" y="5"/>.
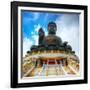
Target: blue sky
<point x="67" y="28"/>
<point x="32" y="19"/>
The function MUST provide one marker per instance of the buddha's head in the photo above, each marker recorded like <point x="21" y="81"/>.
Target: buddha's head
<point x="52" y="28"/>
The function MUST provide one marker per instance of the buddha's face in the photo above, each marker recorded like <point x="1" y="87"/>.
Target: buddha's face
<point x="52" y="29"/>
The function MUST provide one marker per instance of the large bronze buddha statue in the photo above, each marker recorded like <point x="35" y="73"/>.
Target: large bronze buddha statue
<point x="52" y="39"/>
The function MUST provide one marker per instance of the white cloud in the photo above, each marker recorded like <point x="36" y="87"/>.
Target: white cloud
<point x="36" y="15"/>
<point x="32" y="33"/>
<point x="27" y="43"/>
<point x="45" y="30"/>
<point x="35" y="37"/>
<point x="68" y="30"/>
<point x="37" y="27"/>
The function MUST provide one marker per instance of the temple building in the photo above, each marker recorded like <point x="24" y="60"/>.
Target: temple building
<point x="51" y="56"/>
